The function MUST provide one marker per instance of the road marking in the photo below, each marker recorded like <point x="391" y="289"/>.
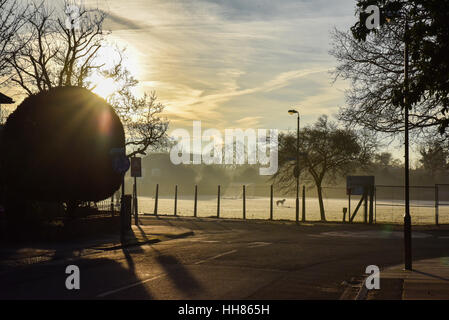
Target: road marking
<point x="370" y="234"/>
<point x="107" y="293"/>
<point x="215" y="257"/>
<point x="258" y="244"/>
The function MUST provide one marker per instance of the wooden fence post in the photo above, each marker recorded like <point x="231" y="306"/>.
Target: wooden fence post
<point x="156" y="199"/>
<point x="244" y="202"/>
<point x="436" y="205"/>
<point x="176" y="200"/>
<point x="195" y="202"/>
<point x="218" y="202"/>
<point x="303" y="218"/>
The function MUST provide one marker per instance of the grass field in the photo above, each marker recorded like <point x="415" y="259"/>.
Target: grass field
<point x="259" y="208"/>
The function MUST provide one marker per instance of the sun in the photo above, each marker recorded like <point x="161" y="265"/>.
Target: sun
<point x="107" y="57"/>
<point x="104" y="87"/>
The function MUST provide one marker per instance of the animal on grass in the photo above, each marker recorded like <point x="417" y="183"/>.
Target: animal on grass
<point x="280" y="202"/>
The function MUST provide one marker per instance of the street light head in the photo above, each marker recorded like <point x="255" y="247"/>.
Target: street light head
<point x="292" y="112"/>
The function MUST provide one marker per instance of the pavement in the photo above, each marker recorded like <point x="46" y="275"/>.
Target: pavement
<point x="205" y="258"/>
<point x="429" y="280"/>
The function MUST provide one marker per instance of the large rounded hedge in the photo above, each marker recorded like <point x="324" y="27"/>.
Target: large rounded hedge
<point x="61" y="145"/>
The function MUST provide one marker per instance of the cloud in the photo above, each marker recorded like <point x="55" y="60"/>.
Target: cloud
<point x="223" y="61"/>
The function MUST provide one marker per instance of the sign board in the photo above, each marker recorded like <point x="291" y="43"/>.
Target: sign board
<point x="136" y="167"/>
<point x="356" y="185"/>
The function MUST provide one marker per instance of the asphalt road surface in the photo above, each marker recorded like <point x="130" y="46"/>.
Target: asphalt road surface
<point x="228" y="260"/>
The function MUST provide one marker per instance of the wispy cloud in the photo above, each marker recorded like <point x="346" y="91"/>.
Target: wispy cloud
<point x="227" y="62"/>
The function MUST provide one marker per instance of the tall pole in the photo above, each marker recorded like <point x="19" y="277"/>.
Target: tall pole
<point x="407" y="218"/>
<point x="297" y="172"/>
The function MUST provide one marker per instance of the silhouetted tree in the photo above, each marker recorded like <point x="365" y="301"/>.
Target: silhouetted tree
<point x="61" y="145"/>
<point x="326" y="152"/>
<point x="434" y="157"/>
<point x="12" y="18"/>
<point x="55" y="51"/>
<point x="373" y="60"/>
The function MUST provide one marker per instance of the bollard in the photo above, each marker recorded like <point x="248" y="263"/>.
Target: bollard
<point x="125" y="214"/>
<point x="344" y="214"/>
<point x="271" y="202"/>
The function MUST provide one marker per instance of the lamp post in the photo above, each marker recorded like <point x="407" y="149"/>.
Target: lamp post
<point x="407" y="217"/>
<point x="296" y="171"/>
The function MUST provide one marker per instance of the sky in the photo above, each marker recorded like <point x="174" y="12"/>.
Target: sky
<point x="233" y="63"/>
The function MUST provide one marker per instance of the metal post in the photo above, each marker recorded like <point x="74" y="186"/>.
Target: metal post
<point x="436" y="205"/>
<point x="407" y="217"/>
<point x="303" y="219"/>
<point x="244" y="202"/>
<point x="195" y="207"/>
<point x="218" y="202"/>
<point x="156" y="199"/>
<point x="176" y="200"/>
<point x="297" y="172"/>
<point x="271" y="202"/>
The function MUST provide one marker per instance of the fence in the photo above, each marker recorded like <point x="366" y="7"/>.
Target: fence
<point x="428" y="204"/>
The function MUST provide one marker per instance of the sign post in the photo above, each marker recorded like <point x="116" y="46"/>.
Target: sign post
<point x="363" y="186"/>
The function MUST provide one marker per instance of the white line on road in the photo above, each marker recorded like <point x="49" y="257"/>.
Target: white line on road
<point x="215" y="257"/>
<point x="258" y="244"/>
<point x="107" y="293"/>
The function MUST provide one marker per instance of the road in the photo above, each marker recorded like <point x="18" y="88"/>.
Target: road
<point x="228" y="259"/>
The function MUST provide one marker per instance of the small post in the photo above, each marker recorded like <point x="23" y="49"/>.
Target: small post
<point x="303" y="218"/>
<point x="176" y="200"/>
<point x="244" y="202"/>
<point x="136" y="218"/>
<point x="218" y="202"/>
<point x="195" y="207"/>
<point x="271" y="202"/>
<point x="436" y="205"/>
<point x="156" y="199"/>
<point x="365" y="213"/>
<point x="344" y="214"/>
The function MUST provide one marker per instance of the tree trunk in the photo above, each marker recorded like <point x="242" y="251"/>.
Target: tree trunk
<point x="320" y="200"/>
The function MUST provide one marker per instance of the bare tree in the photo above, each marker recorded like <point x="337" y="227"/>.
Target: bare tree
<point x="145" y="128"/>
<point x="375" y="69"/>
<point x="12" y="18"/>
<point x="57" y="48"/>
<point x="326" y="151"/>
